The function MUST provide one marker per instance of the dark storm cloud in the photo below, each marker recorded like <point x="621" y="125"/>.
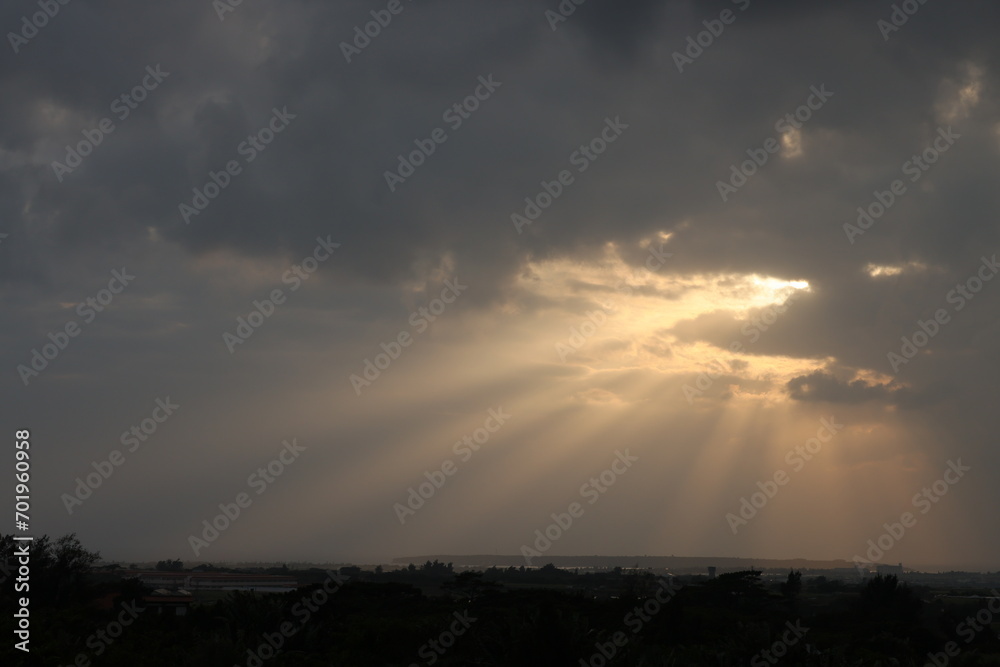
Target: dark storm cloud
<point x="325" y="173"/>
<point x="619" y="27"/>
<point x="820" y="386"/>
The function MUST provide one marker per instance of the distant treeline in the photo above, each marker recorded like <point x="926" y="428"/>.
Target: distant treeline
<point x="429" y="614"/>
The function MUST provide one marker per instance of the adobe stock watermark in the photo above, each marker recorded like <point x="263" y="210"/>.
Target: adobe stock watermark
<point x="924" y="501"/>
<point x="302" y="611"/>
<point x="464" y="448"/>
<point x="248" y="149"/>
<point x="381" y="18"/>
<point x="915" y="168"/>
<point x="37" y="21"/>
<point x="592" y="489"/>
<point x="263" y="310"/>
<point x="928" y="329"/>
<point x="133" y="438"/>
<point x="967" y="630"/>
<point x="223" y="7"/>
<point x="455" y="116"/>
<point x="87" y="310"/>
<point x="565" y="9"/>
<point x="260" y="481"/>
<point x="596" y="319"/>
<point x="435" y="648"/>
<point x="122" y="107"/>
<point x="99" y="641"/>
<point x="635" y="620"/>
<point x="779" y="649"/>
<point x="714" y="28"/>
<point x="581" y="158"/>
<point x="740" y="174"/>
<point x="654" y="262"/>
<point x="899" y="16"/>
<point x="796" y="458"/>
<point x="419" y="320"/>
<point x="580" y="334"/>
<point x="756" y="324"/>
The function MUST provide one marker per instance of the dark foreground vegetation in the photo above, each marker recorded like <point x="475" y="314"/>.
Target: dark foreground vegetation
<point x="520" y="617"/>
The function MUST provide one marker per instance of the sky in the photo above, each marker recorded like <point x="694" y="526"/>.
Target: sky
<point x="360" y="280"/>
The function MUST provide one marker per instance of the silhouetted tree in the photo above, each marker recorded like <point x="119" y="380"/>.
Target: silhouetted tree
<point x="733" y="588"/>
<point x="170" y="565"/>
<point x="470" y="585"/>
<point x="793" y="585"/>
<point x="59" y="569"/>
<point x="886" y="602"/>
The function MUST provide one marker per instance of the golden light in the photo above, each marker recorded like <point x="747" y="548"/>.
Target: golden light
<point x="622" y="385"/>
<point x="958" y="99"/>
<point x="791" y="143"/>
<point x="888" y="270"/>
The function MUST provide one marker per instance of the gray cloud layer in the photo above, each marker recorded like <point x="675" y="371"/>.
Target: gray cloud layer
<point x="324" y="175"/>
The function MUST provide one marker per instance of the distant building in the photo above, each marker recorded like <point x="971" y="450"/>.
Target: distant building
<point x="170" y="602"/>
<point x="711" y="572"/>
<point x="886" y="570"/>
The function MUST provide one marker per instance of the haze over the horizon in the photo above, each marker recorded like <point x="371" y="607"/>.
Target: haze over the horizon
<point x="661" y="314"/>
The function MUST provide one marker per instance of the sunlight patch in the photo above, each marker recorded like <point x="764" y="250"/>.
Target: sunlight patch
<point x="889" y="270"/>
<point x="791" y="143"/>
<point x="958" y="99"/>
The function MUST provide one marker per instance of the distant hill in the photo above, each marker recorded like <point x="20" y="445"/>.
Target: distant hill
<point x="676" y="564"/>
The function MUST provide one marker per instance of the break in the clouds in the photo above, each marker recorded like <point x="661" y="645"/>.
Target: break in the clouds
<point x="692" y="230"/>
